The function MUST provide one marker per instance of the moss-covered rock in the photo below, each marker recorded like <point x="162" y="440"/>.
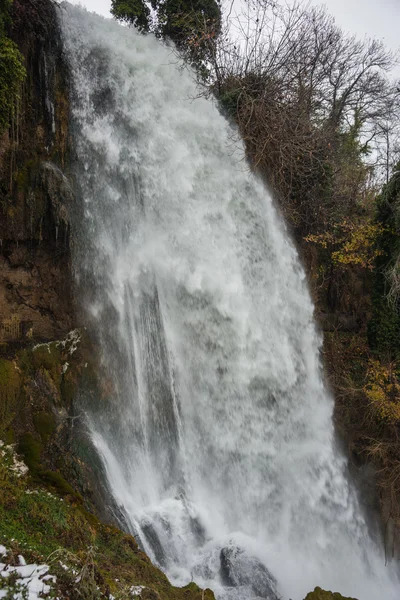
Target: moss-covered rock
<point x="44" y="424"/>
<point x="31" y="451"/>
<point x="319" y="594"/>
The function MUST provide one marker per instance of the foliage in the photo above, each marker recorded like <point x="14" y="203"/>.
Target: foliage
<point x="389" y="211"/>
<point x="384" y="326"/>
<point x="134" y="12"/>
<point x="12" y="70"/>
<point x="351" y="243"/>
<point x="383" y="391"/>
<point x="192" y="25"/>
<point x="367" y="410"/>
<point x="5" y="7"/>
<point x="12" y="74"/>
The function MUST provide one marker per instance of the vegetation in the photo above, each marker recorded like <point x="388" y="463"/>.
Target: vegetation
<point x="12" y="70"/>
<point x="90" y="560"/>
<point x="191" y="24"/>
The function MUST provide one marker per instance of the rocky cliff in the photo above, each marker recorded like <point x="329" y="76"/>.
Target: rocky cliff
<point x="35" y="196"/>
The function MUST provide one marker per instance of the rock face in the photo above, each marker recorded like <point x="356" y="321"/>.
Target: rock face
<point x="319" y="594"/>
<point x="35" y="197"/>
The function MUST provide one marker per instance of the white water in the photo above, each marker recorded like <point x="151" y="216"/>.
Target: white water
<point x="219" y="432"/>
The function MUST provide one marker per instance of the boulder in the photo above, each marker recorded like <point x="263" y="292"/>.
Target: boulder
<point x="238" y="569"/>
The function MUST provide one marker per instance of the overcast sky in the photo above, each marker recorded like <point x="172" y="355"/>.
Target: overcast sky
<point x="374" y="18"/>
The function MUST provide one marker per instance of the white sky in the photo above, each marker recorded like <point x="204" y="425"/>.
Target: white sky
<point x="372" y="18"/>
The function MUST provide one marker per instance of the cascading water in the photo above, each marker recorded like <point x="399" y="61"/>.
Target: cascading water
<point x="218" y="445"/>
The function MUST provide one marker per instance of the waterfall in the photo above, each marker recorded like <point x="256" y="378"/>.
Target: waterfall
<point x="217" y="440"/>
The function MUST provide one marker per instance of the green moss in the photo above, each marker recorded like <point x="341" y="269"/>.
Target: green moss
<point x="48" y="357"/>
<point x="44" y="424"/>
<point x="90" y="517"/>
<point x="62" y="487"/>
<point x="193" y="587"/>
<point x="30" y="449"/>
<point x="10" y="388"/>
<point x="319" y="594"/>
<point x="9" y="437"/>
<point x="68" y="388"/>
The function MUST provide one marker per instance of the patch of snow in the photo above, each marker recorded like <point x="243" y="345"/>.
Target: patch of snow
<point x="19" y="467"/>
<point x="43" y="346"/>
<point x="72" y="340"/>
<point x="32" y="581"/>
<point x="136" y="590"/>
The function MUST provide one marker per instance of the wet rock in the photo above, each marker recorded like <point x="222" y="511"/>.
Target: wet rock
<point x="151" y="536"/>
<point x="59" y="197"/>
<point x="237" y="569"/>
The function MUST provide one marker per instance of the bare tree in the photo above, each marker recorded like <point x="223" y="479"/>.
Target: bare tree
<point x="311" y="102"/>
